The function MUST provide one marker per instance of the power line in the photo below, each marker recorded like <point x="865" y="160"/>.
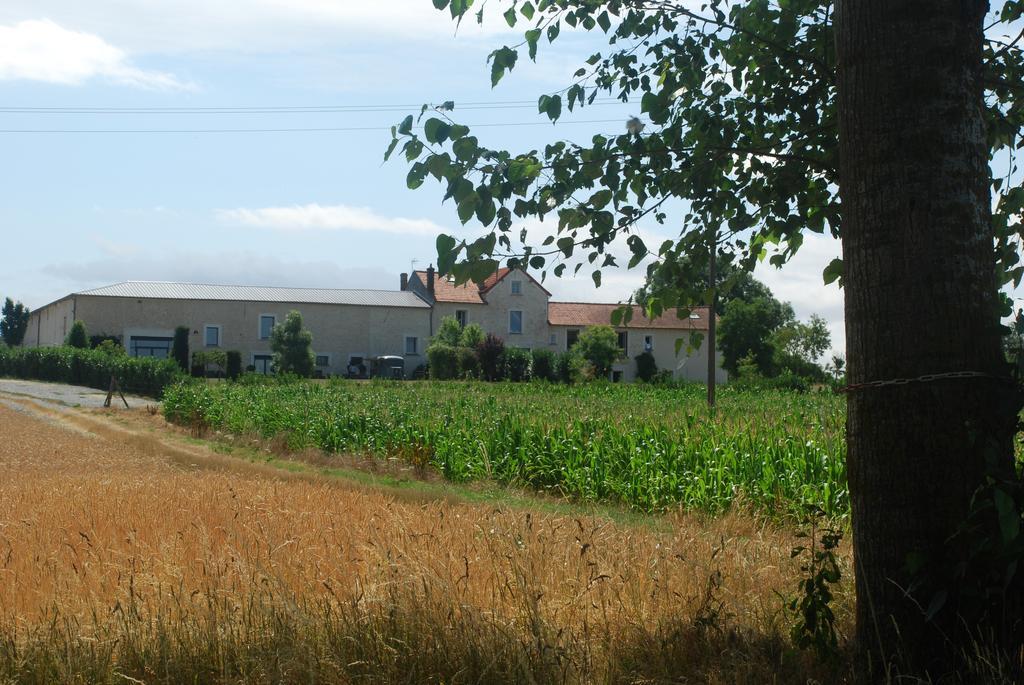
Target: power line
<point x="342" y="129"/>
<point x="310" y="109"/>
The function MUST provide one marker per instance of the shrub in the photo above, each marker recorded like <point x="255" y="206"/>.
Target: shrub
<point x="599" y="345"/>
<point x="292" y="346"/>
<point x="110" y="346"/>
<point x="569" y="366"/>
<point x="518" y="364"/>
<point x="98" y="339"/>
<point x="140" y="375"/>
<point x="646" y="367"/>
<point x="179" y="347"/>
<point x="233" y="359"/>
<point x="77" y="337"/>
<point x="202" y="361"/>
<point x="448" y="333"/>
<point x="490" y="354"/>
<point x="468" y="362"/>
<point x="544" y="365"/>
<point x="443" y="360"/>
<point x="472" y="335"/>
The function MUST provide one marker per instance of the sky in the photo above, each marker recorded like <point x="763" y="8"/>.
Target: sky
<point x="284" y="208"/>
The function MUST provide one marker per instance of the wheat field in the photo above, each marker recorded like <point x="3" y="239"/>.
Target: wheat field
<point x="130" y="556"/>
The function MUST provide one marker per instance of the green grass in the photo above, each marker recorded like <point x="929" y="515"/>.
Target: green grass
<point x="647" y="447"/>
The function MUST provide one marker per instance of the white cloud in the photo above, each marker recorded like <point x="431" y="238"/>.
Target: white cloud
<point x="41" y="50"/>
<point x="327" y="218"/>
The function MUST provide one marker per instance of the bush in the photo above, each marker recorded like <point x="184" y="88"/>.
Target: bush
<point x="109" y="346"/>
<point x="140" y="375"/>
<point x="544" y="365"/>
<point x="490" y="353"/>
<point x="202" y="361"/>
<point x="468" y="362"/>
<point x="569" y="366"/>
<point x="443" y="361"/>
<point x="97" y="340"/>
<point x="179" y="347"/>
<point x="472" y="335"/>
<point x="449" y="332"/>
<point x="518" y="364"/>
<point x="646" y="367"/>
<point x="233" y="359"/>
<point x="599" y="345"/>
<point x="77" y="337"/>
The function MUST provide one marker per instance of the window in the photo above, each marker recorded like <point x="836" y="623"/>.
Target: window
<point x="323" y="360"/>
<point x="412" y="344"/>
<point x="462" y="316"/>
<point x="515" y="322"/>
<point x="263" y="363"/>
<point x="267" y="323"/>
<point x="212" y="336"/>
<point x="571" y="337"/>
<point x="616" y="376"/>
<point x="517" y="287"/>
<point x="150" y="346"/>
<point x="623" y="340"/>
<point x="553" y="339"/>
<point x="648" y="343"/>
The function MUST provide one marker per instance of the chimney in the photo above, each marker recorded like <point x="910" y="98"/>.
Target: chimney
<point x="430" y="280"/>
<point x="404" y="282"/>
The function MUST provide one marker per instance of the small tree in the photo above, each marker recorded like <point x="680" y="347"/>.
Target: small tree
<point x="14" y="322"/>
<point x="234" y="364"/>
<point x="490" y="353"/>
<point x="646" y="367"/>
<point x="449" y="332"/>
<point x="472" y="335"/>
<point x="569" y="366"/>
<point x="292" y="346"/>
<point x="179" y="347"/>
<point x="599" y="345"/>
<point x="77" y="336"/>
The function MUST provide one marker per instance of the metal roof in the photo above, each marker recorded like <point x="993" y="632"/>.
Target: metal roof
<point x="250" y="293"/>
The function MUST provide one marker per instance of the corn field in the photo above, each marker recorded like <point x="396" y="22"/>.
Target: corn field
<point x="649" y="448"/>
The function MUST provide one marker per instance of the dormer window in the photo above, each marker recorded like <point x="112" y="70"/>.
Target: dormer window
<point x="517" y="287"/>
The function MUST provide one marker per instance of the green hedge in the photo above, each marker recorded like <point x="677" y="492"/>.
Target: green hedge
<point x="93" y="368"/>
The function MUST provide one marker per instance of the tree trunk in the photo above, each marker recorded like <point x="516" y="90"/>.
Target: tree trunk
<point x="921" y="298"/>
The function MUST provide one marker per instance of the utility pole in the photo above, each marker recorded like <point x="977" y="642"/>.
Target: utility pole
<point x="712" y="255"/>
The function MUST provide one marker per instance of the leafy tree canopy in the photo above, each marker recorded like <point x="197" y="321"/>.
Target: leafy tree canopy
<point x="599" y="345"/>
<point x="292" y="346"/>
<point x="745" y="331"/>
<point x="681" y="276"/>
<point x="13" y="322"/>
<point x="739" y="107"/>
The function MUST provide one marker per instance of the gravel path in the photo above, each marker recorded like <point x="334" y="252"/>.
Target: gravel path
<point x="67" y="395"/>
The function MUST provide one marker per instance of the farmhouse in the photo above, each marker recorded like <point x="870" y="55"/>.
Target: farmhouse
<point x="350" y="327"/>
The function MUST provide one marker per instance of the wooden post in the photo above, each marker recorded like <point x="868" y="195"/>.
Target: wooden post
<point x="712" y="255"/>
<point x="114" y="387"/>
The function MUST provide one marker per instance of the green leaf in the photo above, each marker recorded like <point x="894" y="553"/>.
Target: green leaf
<point x="391" y="148"/>
<point x="435" y="130"/>
<point x="502" y="60"/>
<point x="566" y="245"/>
<point x="510" y="16"/>
<point x="553" y="31"/>
<point x="597" y="278"/>
<point x="446" y="252"/>
<point x="405" y="128"/>
<point x="528" y="10"/>
<point x="532" y="37"/>
<point x="833" y="272"/>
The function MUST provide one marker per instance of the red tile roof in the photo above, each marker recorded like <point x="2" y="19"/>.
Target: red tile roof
<point x="469" y="293"/>
<point x="592" y="314"/>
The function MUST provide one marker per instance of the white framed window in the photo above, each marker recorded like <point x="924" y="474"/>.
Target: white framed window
<point x="517" y="287"/>
<point x="267" y="323"/>
<point x="515" y="322"/>
<point x="412" y="345"/>
<point x="462" y="316"/>
<point x="648" y="343"/>
<point x="211" y="335"/>
<point x="323" y="360"/>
